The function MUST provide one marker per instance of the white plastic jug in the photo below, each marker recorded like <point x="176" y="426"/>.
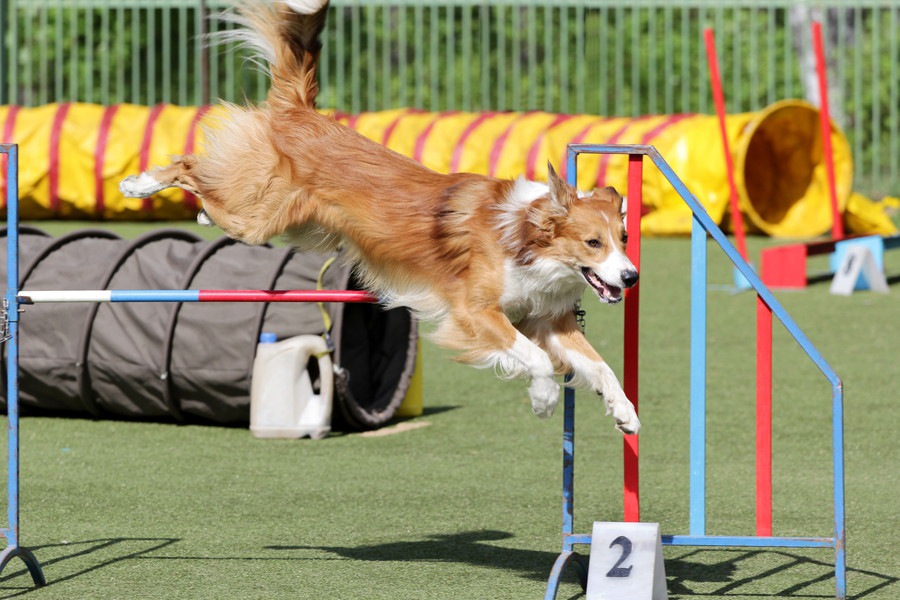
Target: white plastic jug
<point x="283" y="403"/>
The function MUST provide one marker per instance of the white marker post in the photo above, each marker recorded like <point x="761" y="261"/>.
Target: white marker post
<point x="858" y="270"/>
<point x="626" y="562"/>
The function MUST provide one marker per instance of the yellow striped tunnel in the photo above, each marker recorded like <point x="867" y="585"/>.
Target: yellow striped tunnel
<point x="72" y="157"/>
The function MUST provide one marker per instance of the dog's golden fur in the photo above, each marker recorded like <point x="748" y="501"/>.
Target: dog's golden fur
<point x="499" y="264"/>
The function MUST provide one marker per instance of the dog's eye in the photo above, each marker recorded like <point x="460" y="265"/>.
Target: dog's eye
<point x="624" y="238"/>
<point x="593" y="243"/>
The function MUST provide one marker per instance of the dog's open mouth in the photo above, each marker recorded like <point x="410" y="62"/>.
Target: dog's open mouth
<point x="607" y="293"/>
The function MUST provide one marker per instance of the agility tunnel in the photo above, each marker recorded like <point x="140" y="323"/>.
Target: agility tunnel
<point x="74" y="155"/>
<point x="183" y="361"/>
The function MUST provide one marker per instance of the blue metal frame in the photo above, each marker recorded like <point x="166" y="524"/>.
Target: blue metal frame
<point x="697" y="512"/>
<point x="703" y="225"/>
<point x="11" y="306"/>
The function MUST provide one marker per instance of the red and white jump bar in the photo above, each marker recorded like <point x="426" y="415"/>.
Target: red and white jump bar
<point x="41" y="296"/>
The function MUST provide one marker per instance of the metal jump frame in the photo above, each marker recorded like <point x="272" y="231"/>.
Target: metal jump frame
<point x="702" y="225"/>
<point x="15" y="297"/>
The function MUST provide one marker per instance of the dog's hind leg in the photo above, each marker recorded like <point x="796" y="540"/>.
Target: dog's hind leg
<point x="177" y="174"/>
<point x="564" y="342"/>
<point x="490" y="340"/>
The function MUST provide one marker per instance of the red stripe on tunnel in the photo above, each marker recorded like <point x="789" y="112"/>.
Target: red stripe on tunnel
<point x="59" y="120"/>
<point x="457" y="152"/>
<point x="100" y="157"/>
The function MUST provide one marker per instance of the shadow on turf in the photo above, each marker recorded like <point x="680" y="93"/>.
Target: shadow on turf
<point x="707" y="567"/>
<point x="702" y="573"/>
<point x="467" y="547"/>
<point x="16" y="581"/>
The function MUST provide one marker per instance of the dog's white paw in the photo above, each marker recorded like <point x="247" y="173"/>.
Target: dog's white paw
<point x="204" y="220"/>
<point x="622" y="411"/>
<point x="544" y="394"/>
<point x="140" y="186"/>
<point x="305" y="7"/>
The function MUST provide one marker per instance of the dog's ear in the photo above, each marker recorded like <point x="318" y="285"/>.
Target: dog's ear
<point x="542" y="218"/>
<point x="560" y="191"/>
<point x="610" y="193"/>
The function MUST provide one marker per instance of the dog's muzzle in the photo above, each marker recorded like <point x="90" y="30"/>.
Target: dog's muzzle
<point x="608" y="292"/>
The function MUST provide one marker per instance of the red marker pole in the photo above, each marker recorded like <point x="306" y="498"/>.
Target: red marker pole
<point x="737" y="221"/>
<point x="837" y="223"/>
<point x="632" y="494"/>
<point x="763" y="418"/>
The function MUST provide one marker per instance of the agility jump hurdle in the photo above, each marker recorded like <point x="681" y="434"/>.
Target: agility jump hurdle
<point x="767" y="304"/>
<point x="10" y="321"/>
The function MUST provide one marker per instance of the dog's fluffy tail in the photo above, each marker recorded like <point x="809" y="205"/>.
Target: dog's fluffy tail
<point x="284" y="35"/>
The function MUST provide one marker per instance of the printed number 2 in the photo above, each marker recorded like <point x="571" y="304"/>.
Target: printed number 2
<point x="618" y="571"/>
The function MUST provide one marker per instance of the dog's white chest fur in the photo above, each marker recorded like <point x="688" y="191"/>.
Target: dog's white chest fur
<point x="544" y="288"/>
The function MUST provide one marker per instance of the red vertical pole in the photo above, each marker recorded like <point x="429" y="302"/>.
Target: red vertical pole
<point x="632" y="297"/>
<point x="837" y="223"/>
<point x="737" y="221"/>
<point x="763" y="418"/>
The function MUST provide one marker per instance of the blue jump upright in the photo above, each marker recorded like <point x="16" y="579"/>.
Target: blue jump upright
<point x="15" y="297"/>
<point x="11" y="336"/>
<point x="704" y="226"/>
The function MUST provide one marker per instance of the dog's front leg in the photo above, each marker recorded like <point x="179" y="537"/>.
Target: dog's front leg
<point x="565" y="342"/>
<point x="543" y="389"/>
<point x="489" y="339"/>
<point x="177" y="174"/>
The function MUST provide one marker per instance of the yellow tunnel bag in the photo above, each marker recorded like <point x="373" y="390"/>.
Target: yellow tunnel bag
<point x="779" y="171"/>
<point x="72" y="157"/>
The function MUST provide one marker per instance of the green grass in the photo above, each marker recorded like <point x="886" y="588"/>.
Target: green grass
<point x="469" y="506"/>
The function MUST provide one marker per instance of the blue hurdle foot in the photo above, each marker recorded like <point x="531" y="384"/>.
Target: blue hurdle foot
<point x="28" y="558"/>
<point x="579" y="563"/>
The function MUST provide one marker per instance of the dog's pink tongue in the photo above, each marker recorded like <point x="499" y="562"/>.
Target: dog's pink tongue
<point x="595" y="282"/>
<point x="607" y="293"/>
<point x="615" y="293"/>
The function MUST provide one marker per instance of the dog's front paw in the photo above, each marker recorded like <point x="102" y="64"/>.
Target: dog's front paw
<point x="622" y="411"/>
<point x="544" y="393"/>
<point x="630" y="426"/>
<point x="204" y="220"/>
<point x="140" y="186"/>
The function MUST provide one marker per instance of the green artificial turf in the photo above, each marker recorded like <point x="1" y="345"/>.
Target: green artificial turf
<point x="468" y="507"/>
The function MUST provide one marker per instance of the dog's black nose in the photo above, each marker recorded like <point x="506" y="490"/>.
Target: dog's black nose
<point x="629" y="277"/>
